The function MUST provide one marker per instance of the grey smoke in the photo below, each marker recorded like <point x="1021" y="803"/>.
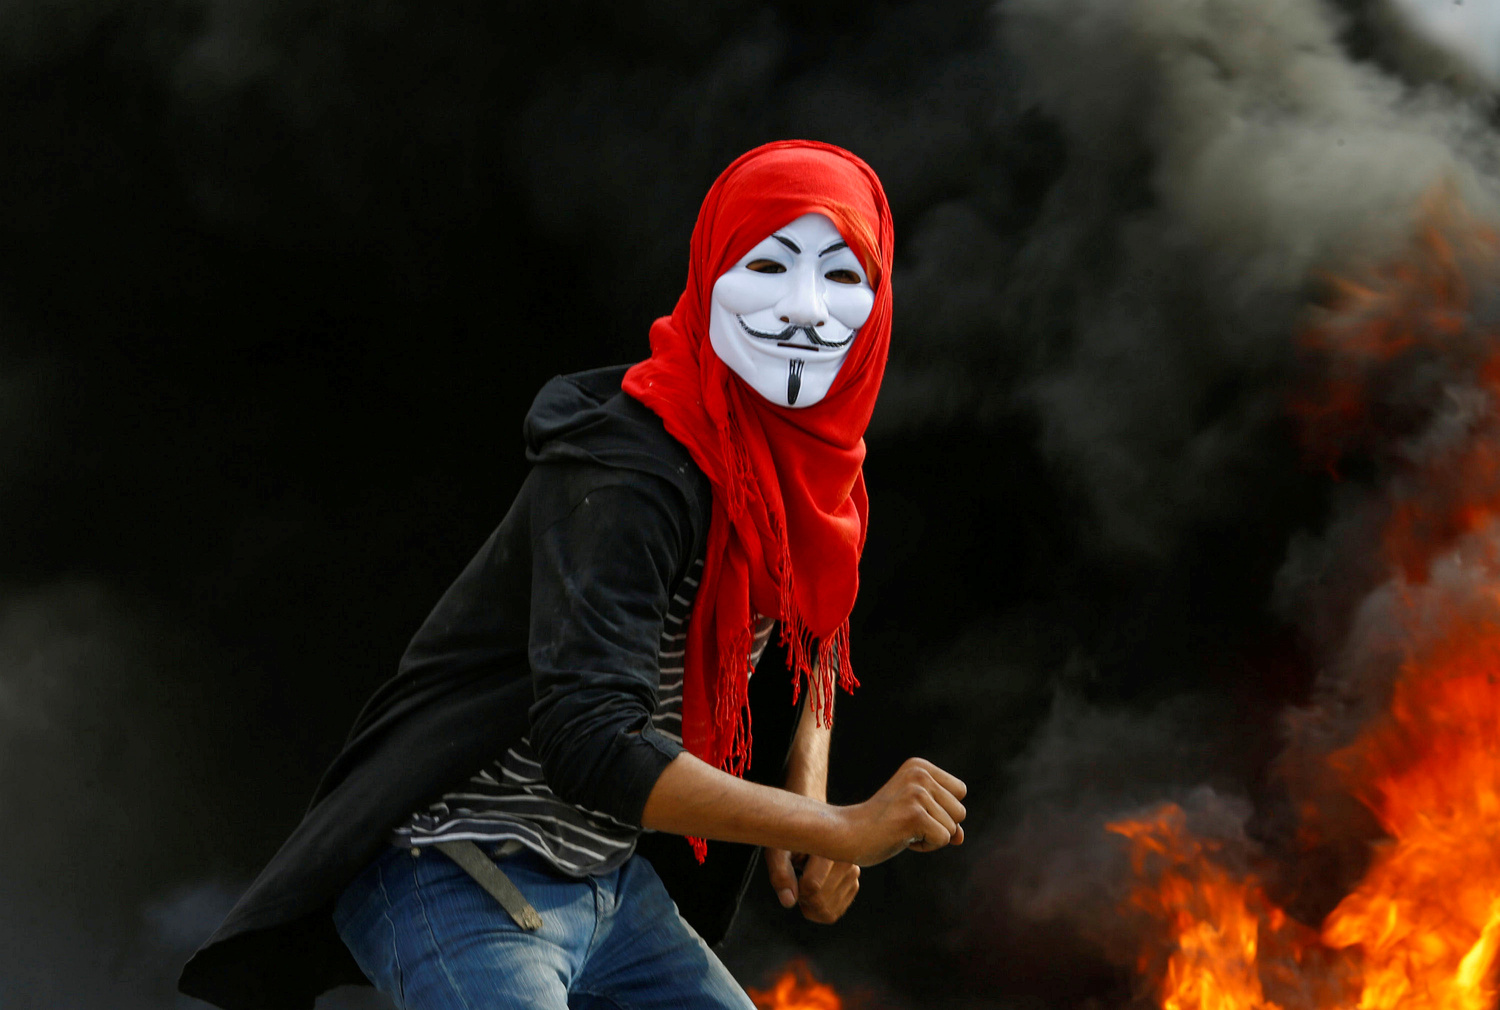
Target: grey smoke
<point x="1256" y="150"/>
<point x="1265" y="152"/>
<point x="1454" y="41"/>
<point x="113" y="797"/>
<point x="95" y="775"/>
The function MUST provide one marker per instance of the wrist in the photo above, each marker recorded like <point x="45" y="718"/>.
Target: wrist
<point x="815" y="828"/>
<point x="839" y="834"/>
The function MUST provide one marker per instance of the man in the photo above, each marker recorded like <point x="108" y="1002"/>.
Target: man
<point x="584" y="683"/>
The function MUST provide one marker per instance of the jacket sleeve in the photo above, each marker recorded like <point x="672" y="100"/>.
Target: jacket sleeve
<point x="602" y="574"/>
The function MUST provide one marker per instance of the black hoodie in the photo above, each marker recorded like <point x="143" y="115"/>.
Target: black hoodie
<point x="552" y="630"/>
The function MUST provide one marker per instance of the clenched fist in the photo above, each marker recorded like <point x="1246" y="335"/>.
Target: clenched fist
<point x="919" y="808"/>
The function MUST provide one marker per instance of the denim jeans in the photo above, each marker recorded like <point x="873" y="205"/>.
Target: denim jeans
<point x="428" y="936"/>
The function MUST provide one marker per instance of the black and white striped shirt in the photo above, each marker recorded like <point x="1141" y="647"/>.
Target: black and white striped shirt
<point x="509" y="800"/>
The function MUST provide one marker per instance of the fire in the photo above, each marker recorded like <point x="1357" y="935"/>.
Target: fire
<point x="796" y="989"/>
<point x="1427" y="916"/>
<point x="1223" y="941"/>
<point x="1421" y="930"/>
<point x="1215" y="920"/>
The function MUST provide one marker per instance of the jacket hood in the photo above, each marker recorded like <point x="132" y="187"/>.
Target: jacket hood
<point x="585" y="417"/>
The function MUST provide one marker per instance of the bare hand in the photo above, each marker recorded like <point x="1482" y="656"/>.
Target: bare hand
<point x="919" y="808"/>
<point x="825" y="889"/>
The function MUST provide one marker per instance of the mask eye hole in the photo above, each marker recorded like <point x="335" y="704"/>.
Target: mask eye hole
<point x="843" y="276"/>
<point x="765" y="267"/>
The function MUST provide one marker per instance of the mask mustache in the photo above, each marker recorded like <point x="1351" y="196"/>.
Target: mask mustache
<point x="793" y="330"/>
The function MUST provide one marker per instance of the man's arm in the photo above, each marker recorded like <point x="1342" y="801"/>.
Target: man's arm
<point x="606" y="547"/>
<point x="807" y="763"/>
<point x="824" y="889"/>
<point x="601" y="570"/>
<point x="919" y="808"/>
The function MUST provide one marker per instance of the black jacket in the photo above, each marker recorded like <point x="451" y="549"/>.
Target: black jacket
<point x="553" y="628"/>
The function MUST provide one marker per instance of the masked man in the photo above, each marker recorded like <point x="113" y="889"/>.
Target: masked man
<point x="579" y="697"/>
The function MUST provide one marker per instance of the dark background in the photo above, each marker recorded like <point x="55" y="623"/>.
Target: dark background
<point x="279" y="278"/>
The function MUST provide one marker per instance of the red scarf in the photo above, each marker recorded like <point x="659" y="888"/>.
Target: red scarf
<point x="789" y="503"/>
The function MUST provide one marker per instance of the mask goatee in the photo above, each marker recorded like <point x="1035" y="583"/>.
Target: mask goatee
<point x="793" y="380"/>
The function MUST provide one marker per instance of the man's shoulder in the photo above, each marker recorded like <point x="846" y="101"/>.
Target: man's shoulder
<point x="586" y="417"/>
<point x="597" y="384"/>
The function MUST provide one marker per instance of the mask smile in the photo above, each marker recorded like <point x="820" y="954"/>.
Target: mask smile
<point x="817" y="343"/>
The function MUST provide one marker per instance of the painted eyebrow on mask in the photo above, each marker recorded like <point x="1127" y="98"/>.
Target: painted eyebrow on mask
<point x="788" y="243"/>
<point x="840" y="244"/>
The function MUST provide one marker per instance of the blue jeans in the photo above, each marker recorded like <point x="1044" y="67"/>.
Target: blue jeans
<point x="429" y="937"/>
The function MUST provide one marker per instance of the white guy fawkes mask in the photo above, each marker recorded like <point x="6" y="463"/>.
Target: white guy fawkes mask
<point x="784" y="317"/>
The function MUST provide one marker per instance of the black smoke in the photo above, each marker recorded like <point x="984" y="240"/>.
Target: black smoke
<point x="279" y="279"/>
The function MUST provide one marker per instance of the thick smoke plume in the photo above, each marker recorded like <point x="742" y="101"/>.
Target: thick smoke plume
<point x="1253" y="148"/>
<point x="1282" y="173"/>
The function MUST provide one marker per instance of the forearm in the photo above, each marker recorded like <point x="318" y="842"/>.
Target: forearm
<point x="807" y="762"/>
<point x="696" y="799"/>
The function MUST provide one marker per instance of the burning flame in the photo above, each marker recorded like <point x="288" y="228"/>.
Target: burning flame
<point x="1421" y="930"/>
<point x="1427" y="916"/>
<point x="796" y="989"/>
<point x="1217" y="920"/>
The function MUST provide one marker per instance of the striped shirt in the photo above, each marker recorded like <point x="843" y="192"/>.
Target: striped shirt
<point x="508" y="801"/>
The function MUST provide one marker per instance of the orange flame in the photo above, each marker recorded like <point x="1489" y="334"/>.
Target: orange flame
<point x="1224" y="941"/>
<point x="1427" y="916"/>
<point x="796" y="989"/>
<point x="1421" y="931"/>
